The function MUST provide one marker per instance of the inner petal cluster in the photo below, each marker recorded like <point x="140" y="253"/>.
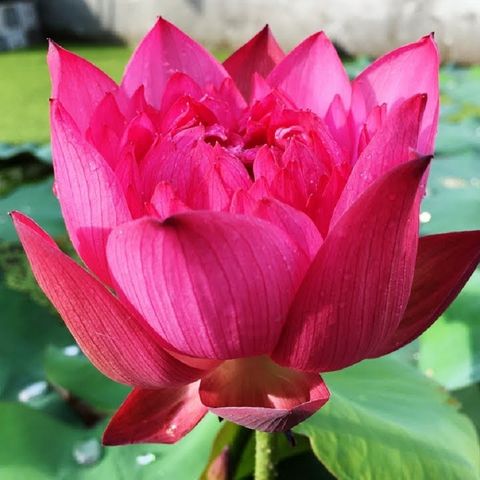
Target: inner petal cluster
<point x="204" y="147"/>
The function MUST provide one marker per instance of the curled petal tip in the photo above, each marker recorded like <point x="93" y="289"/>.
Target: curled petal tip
<point x="427" y="159"/>
<point x="429" y="37"/>
<point x="320" y="34"/>
<point x="162" y="22"/>
<point x="18" y="217"/>
<point x="54" y="48"/>
<point x="423" y="164"/>
<point x="266" y="30"/>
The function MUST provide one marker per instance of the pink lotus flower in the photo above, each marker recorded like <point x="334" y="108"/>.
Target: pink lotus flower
<point x="244" y="226"/>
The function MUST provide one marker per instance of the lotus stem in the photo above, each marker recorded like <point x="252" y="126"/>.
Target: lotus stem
<point x="264" y="466"/>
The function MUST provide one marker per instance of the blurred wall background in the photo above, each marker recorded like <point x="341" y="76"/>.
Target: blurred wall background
<point x="368" y="27"/>
<point x="360" y="27"/>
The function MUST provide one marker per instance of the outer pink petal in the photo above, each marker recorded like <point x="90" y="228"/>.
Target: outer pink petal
<point x="444" y="264"/>
<point x="77" y="84"/>
<point x="258" y="56"/>
<point x="91" y="199"/>
<point x="390" y="147"/>
<point x="312" y="74"/>
<point x="155" y="416"/>
<point x="213" y="285"/>
<point x="399" y="75"/>
<point x="261" y="395"/>
<point x="120" y="345"/>
<point x="356" y="291"/>
<point x="164" y="51"/>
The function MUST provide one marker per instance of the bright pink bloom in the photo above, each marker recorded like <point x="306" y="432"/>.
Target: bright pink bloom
<point x="257" y="221"/>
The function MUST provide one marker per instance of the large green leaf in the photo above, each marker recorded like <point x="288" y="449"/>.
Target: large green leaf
<point x="69" y="369"/>
<point x="385" y="420"/>
<point x="27" y="328"/>
<point x="34" y="446"/>
<point x="304" y="466"/>
<point x="456" y="138"/>
<point x="460" y="87"/>
<point x="37" y="201"/>
<point x="469" y="399"/>
<point x="450" y="350"/>
<point x="37" y="447"/>
<point x="182" y="461"/>
<point x="453" y="195"/>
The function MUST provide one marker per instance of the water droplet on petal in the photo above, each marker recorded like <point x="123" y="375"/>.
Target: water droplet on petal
<point x="93" y="166"/>
<point x="55" y="189"/>
<point x="366" y="175"/>
<point x="71" y="351"/>
<point x="171" y="429"/>
<point x="87" y="452"/>
<point x="425" y="217"/>
<point x="32" y="391"/>
<point x="145" y="459"/>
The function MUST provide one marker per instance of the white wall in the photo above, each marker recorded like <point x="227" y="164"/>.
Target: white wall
<point x="360" y="26"/>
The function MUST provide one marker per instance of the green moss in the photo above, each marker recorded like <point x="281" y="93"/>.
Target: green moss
<point x="17" y="273"/>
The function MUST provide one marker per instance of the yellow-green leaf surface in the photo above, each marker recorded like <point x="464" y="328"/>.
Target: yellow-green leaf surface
<point x="387" y="421"/>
